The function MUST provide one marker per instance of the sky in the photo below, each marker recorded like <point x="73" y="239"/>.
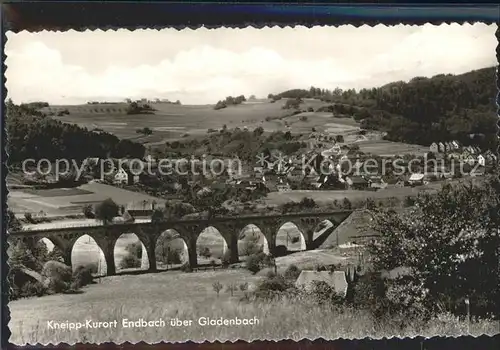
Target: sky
<point x="203" y="66"/>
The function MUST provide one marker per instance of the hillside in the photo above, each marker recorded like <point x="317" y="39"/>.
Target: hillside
<point x="33" y="135"/>
<point x="423" y="110"/>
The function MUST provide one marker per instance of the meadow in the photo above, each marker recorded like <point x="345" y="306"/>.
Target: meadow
<point x="70" y="201"/>
<point x="171" y="121"/>
<point x="189" y="296"/>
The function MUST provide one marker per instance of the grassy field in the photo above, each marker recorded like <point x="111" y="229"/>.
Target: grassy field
<point x="355" y="196"/>
<point x="189" y="296"/>
<point x="67" y="201"/>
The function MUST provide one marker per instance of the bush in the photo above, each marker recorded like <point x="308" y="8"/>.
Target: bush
<point x="324" y="294"/>
<point x="32" y="288"/>
<point x="186" y="267"/>
<point x="409" y="201"/>
<point x="217" y="287"/>
<point x="281" y="250"/>
<point x="59" y="276"/>
<point x="292" y="273"/>
<point x="346" y="203"/>
<point x="255" y="262"/>
<point x="272" y="287"/>
<point x="135" y="249"/>
<point x="29" y="217"/>
<point x="82" y="276"/>
<point x="205" y="252"/>
<point x="57" y="270"/>
<point x="251" y="247"/>
<point x="130" y="261"/>
<point x="220" y="105"/>
<point x="303" y="118"/>
<point x="173" y="256"/>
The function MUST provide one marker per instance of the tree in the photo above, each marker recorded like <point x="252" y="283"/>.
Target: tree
<point x="88" y="211"/>
<point x="217" y="287"/>
<point x="449" y="242"/>
<point x="158" y="216"/>
<point x="346" y="203"/>
<point x="106" y="211"/>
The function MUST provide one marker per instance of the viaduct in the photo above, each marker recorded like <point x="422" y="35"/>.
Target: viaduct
<point x="229" y="227"/>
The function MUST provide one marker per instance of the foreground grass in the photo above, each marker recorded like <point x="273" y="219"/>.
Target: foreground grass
<point x="189" y="297"/>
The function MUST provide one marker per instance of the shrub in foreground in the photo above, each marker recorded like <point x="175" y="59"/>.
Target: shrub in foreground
<point x="130" y="261"/>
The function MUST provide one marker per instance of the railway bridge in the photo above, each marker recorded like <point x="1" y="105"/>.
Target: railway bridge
<point x="106" y="235"/>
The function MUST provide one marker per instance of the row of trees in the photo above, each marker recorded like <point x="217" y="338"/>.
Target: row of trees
<point x="230" y="101"/>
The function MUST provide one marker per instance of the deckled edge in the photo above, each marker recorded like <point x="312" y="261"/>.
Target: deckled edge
<point x="5" y="287"/>
<point x="4" y="244"/>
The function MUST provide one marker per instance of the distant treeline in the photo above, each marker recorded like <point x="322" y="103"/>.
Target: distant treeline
<point x="422" y="111"/>
<point x="33" y="135"/>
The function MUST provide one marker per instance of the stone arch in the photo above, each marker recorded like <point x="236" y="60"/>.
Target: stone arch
<point x="86" y="252"/>
<point x="170" y="241"/>
<point x="63" y="245"/>
<point x="122" y="248"/>
<point x="212" y="239"/>
<point x="252" y="233"/>
<point x="291" y="235"/>
<point x="322" y="225"/>
<point x="51" y="242"/>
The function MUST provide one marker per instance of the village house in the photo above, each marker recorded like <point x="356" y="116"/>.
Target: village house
<point x="481" y="160"/>
<point x="416" y="179"/>
<point x="434" y="148"/>
<point x="470" y="159"/>
<point x="357" y="182"/>
<point x="490" y="157"/>
<point x="124" y="176"/>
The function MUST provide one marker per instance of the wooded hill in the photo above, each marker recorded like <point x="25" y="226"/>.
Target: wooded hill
<point x="423" y="110"/>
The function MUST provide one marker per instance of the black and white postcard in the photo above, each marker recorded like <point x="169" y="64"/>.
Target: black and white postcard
<point x="252" y="183"/>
